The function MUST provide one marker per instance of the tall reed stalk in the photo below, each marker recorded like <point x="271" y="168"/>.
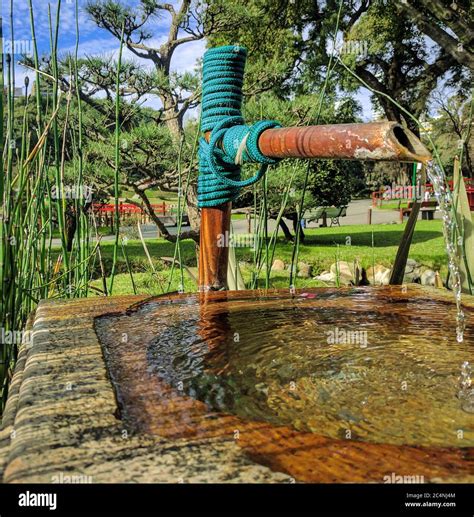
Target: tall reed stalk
<point x="33" y="162"/>
<point x="117" y="161"/>
<point x="182" y="196"/>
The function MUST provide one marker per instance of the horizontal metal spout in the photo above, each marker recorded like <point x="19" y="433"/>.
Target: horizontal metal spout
<point x="380" y="141"/>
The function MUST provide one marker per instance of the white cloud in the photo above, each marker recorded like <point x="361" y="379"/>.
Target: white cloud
<point x="186" y="55"/>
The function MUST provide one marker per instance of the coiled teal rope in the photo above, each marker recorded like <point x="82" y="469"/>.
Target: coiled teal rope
<point x="232" y="142"/>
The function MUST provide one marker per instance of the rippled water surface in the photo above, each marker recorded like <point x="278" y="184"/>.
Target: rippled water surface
<point x="374" y="365"/>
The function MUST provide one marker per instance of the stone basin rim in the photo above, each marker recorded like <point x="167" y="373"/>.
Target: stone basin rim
<point x="47" y="445"/>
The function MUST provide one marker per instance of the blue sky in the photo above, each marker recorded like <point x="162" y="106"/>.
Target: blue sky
<point x="95" y="41"/>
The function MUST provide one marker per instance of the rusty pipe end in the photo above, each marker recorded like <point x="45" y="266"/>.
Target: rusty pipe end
<point x="409" y="146"/>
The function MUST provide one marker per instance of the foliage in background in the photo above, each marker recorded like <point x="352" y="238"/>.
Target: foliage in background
<point x="452" y="133"/>
<point x="333" y="182"/>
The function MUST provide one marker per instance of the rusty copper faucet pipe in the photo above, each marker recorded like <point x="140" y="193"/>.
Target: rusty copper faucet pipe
<point x="378" y="141"/>
<point x="371" y="141"/>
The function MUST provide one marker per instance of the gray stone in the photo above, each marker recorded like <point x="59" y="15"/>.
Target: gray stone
<point x="304" y="270"/>
<point x="326" y="276"/>
<point x="278" y="265"/>
<point x="412" y="272"/>
<point x="343" y="271"/>
<point x="428" y="277"/>
<point x="378" y="275"/>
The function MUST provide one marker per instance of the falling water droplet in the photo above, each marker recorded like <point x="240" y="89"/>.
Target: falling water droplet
<point x="465" y="378"/>
<point x="466" y="393"/>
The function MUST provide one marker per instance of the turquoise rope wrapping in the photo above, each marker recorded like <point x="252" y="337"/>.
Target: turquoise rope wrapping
<point x="221" y="113"/>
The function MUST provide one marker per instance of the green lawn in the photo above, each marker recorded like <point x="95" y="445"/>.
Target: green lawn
<point x="321" y="248"/>
<point x="147" y="283"/>
<point x="393" y="205"/>
<point x="355" y="242"/>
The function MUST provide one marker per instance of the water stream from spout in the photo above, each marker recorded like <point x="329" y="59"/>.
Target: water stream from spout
<point x="466" y="393"/>
<point x="450" y="229"/>
<point x="444" y="199"/>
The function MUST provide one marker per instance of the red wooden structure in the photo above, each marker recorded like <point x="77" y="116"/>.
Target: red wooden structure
<point x="105" y="212"/>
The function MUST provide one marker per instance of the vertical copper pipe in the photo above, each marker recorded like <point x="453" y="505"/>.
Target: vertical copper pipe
<point x="214" y="247"/>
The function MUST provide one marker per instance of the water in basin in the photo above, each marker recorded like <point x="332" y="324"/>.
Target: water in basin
<point x="375" y="365"/>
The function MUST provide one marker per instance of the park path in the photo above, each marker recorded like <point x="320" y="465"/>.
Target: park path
<point x="356" y="214"/>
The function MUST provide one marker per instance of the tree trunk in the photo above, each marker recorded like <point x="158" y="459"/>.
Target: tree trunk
<point x="467" y="170"/>
<point x="171" y="118"/>
<point x="286" y="230"/>
<point x="297" y="227"/>
<point x="192" y="208"/>
<point x="71" y="225"/>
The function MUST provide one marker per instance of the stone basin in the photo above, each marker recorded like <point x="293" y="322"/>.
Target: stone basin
<point x="323" y="385"/>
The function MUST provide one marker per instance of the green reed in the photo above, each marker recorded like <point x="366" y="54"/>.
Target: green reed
<point x="182" y="197"/>
<point x="117" y="161"/>
<point x="271" y="247"/>
<point x="33" y="162"/>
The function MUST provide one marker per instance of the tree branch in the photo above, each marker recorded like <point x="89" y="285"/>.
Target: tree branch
<point x="450" y="44"/>
<point x="191" y="234"/>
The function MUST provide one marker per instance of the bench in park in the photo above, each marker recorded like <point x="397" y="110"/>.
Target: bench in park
<point x="326" y="212"/>
<point x="428" y="208"/>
